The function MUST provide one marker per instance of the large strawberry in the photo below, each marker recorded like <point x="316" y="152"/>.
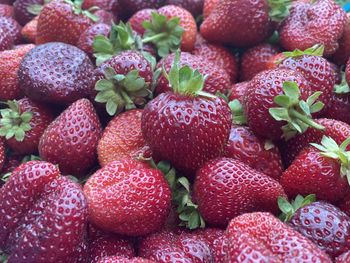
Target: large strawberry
<point x="195" y="124"/>
<point x="70" y="141"/>
<point x="127" y="197"/>
<point x="311" y="23"/>
<point x="57" y="73"/>
<point x="43" y="215"/>
<point x="9" y="32"/>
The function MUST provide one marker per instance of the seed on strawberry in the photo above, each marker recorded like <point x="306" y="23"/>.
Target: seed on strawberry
<point x="10" y="32"/>
<point x="208" y="7"/>
<point x="139" y="17"/>
<point x="238" y="91"/>
<point x="6" y="10"/>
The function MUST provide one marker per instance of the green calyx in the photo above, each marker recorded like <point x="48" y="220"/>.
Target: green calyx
<point x="122" y="92"/>
<point x="296" y="112"/>
<point x="343" y="87"/>
<point x="35" y="9"/>
<point x="181" y="192"/>
<point x="289" y="209"/>
<point x="329" y="148"/>
<point x="316" y="50"/>
<point x="77" y="9"/>
<point x="13" y="122"/>
<point x="238" y="116"/>
<point x="164" y="34"/>
<point x="279" y="9"/>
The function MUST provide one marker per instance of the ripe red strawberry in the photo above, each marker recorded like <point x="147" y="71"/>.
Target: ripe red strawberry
<point x="321" y="171"/>
<point x="195" y="7"/>
<point x="23" y="10"/>
<point x="225" y="188"/>
<point x="71" y="139"/>
<point x="9" y="32"/>
<point x="6" y="10"/>
<point x="347" y="72"/>
<point x="10" y="63"/>
<point x="43" y="215"/>
<point x="57" y="73"/>
<point x="310" y="23"/>
<point x="28" y="32"/>
<point x="262" y="237"/>
<point x="127" y="197"/>
<point x="254" y="60"/>
<point x="2" y="155"/>
<point x="238" y="91"/>
<point x="108" y="5"/>
<point x="217" y="79"/>
<point x="209" y="235"/>
<point x="259" y="154"/>
<point x="342" y="55"/>
<point x="130" y="7"/>
<point x="139" y="17"/>
<point x="208" y="7"/>
<point x="220" y="56"/>
<point x="122" y="139"/>
<point x="62" y="21"/>
<point x="23" y="123"/>
<point x="339" y="108"/>
<point x="116" y="259"/>
<point x="343" y="258"/>
<point x="193" y="122"/>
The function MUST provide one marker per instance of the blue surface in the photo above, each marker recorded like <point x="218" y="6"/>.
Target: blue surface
<point x="347" y="7"/>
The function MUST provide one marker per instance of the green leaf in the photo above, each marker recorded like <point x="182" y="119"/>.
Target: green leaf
<point x="282" y="100"/>
<point x="279" y="9"/>
<point x="111" y="107"/>
<point x="318" y="106"/>
<point x="26" y="117"/>
<point x="291" y="90"/>
<point x="104" y="85"/>
<point x="279" y="114"/>
<point x="185" y="183"/>
<point x="102" y="45"/>
<point x="305" y="108"/>
<point x="35" y="9"/>
<point x="312" y="99"/>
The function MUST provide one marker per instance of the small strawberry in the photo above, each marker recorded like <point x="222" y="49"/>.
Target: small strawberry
<point x="208" y="7"/>
<point x="127" y="197"/>
<point x="225" y="188"/>
<point x="321" y="170"/>
<point x="28" y="32"/>
<point x="342" y="55"/>
<point x="70" y="141"/>
<point x="139" y="17"/>
<point x="6" y="10"/>
<point x="238" y="91"/>
<point x="56" y="72"/>
<point x="313" y="22"/>
<point x="195" y="7"/>
<point x="26" y="10"/>
<point x="9" y="32"/>
<point x="23" y="123"/>
<point x="122" y="139"/>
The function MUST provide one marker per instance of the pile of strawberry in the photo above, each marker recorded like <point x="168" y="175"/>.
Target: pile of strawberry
<point x="174" y="131"/>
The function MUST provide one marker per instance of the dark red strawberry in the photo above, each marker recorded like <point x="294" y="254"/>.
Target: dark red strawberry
<point x="105" y="17"/>
<point x="130" y="7"/>
<point x="9" y="66"/>
<point x="139" y="17"/>
<point x="56" y="73"/>
<point x="127" y="197"/>
<point x="43" y="215"/>
<point x="342" y="55"/>
<point x="108" y="5"/>
<point x="6" y="10"/>
<point x="217" y="79"/>
<point x="260" y="154"/>
<point x="225" y="188"/>
<point x="319" y="169"/>
<point x="70" y="141"/>
<point x="23" y="10"/>
<point x="313" y="22"/>
<point x="238" y="91"/>
<point x="339" y="107"/>
<point x="347" y="72"/>
<point x="2" y="156"/>
<point x="23" y="123"/>
<point x="195" y="7"/>
<point x="260" y="237"/>
<point x="10" y="32"/>
<point x="220" y="56"/>
<point x="254" y="60"/>
<point x="208" y="7"/>
<point x="116" y="259"/>
<point x="343" y="258"/>
<point x="209" y="235"/>
<point x="193" y="122"/>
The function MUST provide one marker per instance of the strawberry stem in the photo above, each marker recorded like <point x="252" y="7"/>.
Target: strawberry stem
<point x="305" y="119"/>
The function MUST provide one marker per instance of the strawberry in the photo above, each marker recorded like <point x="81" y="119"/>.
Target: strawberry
<point x="70" y="73"/>
<point x="238" y="91"/>
<point x="254" y="60"/>
<point x="195" y="123"/>
<point x="25" y="10"/>
<point x="225" y="188"/>
<point x="28" y="32"/>
<point x="116" y="259"/>
<point x="37" y="202"/>
<point x="208" y="7"/>
<point x="259" y="154"/>
<point x="9" y="82"/>
<point x="284" y="88"/>
<point x="216" y="80"/>
<point x="63" y="21"/>
<point x="2" y="155"/>
<point x="343" y="258"/>
<point x="130" y="7"/>
<point x="105" y="17"/>
<point x="209" y="235"/>
<point x="9" y="32"/>
<point x="347" y="72"/>
<point x="339" y="106"/>
<point x="313" y="22"/>
<point x="262" y="237"/>
<point x="122" y="139"/>
<point x="342" y="55"/>
<point x="70" y="141"/>
<point x="139" y="17"/>
<point x="220" y="56"/>
<point x="195" y="7"/>
<point x="23" y="123"/>
<point x="320" y="169"/>
<point x="6" y="10"/>
<point x="127" y="197"/>
<point x="109" y="5"/>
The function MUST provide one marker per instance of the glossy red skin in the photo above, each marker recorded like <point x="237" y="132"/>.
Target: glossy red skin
<point x="195" y="7"/>
<point x="318" y="72"/>
<point x="22" y="15"/>
<point x="254" y="60"/>
<point x="42" y="117"/>
<point x="71" y="139"/>
<point x="209" y="235"/>
<point x="130" y="7"/>
<point x="238" y="91"/>
<point x="86" y="39"/>
<point x="43" y="215"/>
<point x="220" y="56"/>
<point x="196" y="127"/>
<point x="208" y="7"/>
<point x="129" y="198"/>
<point x="308" y="24"/>
<point x="221" y="246"/>
<point x="217" y="78"/>
<point x="6" y="10"/>
<point x="70" y="73"/>
<point x="11" y="162"/>
<point x="139" y="17"/>
<point x="339" y="108"/>
<point x="122" y="139"/>
<point x="249" y="26"/>
<point x="116" y="259"/>
<point x="342" y="55"/>
<point x="324" y="224"/>
<point x="311" y="172"/>
<point x="260" y="98"/>
<point x="58" y="23"/>
<point x="10" y="32"/>
<point x="347" y="71"/>
<point x="282" y="243"/>
<point x="10" y="63"/>
<point x="337" y="130"/>
<point x="225" y="188"/>
<point x="244" y="146"/>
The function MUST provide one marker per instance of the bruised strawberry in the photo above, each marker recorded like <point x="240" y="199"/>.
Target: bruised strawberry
<point x="37" y="202"/>
<point x="10" y="32"/>
<point x="127" y="197"/>
<point x="56" y="72"/>
<point x="70" y="141"/>
<point x="24" y="10"/>
<point x="28" y="32"/>
<point x="6" y="10"/>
